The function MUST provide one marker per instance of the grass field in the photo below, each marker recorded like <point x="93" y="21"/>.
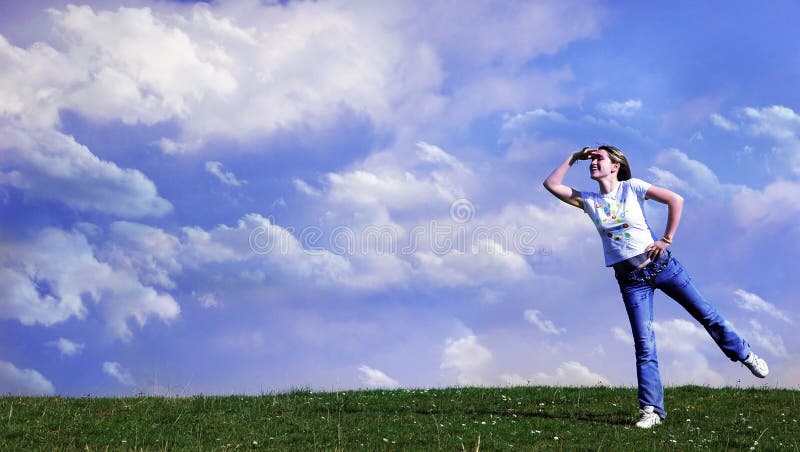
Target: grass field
<point x="513" y="418"/>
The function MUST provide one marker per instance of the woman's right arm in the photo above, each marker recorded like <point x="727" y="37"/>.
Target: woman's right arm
<point x="563" y="192"/>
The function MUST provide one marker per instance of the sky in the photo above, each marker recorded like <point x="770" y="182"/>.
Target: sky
<point x="245" y="197"/>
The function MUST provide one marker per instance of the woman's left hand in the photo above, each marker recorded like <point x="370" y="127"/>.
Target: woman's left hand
<point x="655" y="250"/>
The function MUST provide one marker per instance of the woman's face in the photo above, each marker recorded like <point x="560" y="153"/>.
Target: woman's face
<point x="601" y="165"/>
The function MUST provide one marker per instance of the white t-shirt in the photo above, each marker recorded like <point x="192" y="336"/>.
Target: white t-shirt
<point x="620" y="220"/>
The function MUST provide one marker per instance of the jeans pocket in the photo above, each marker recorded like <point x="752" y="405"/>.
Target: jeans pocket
<point x="677" y="275"/>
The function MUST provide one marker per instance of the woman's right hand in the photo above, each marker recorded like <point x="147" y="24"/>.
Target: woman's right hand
<point x="584" y="154"/>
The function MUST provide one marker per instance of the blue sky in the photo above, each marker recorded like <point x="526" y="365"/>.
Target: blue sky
<point x="190" y="194"/>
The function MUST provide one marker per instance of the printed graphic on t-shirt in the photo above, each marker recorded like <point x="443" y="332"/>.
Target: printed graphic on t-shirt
<point x="611" y="220"/>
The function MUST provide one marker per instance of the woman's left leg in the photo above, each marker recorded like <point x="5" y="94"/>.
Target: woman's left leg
<point x="676" y="282"/>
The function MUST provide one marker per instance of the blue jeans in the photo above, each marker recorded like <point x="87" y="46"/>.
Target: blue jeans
<point x="637" y="288"/>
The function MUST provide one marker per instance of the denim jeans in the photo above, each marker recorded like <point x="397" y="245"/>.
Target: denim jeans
<point x="637" y="288"/>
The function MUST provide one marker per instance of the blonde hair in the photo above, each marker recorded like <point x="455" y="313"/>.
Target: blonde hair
<point x="617" y="156"/>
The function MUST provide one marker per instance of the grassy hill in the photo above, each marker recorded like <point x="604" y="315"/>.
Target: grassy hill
<point x="423" y="419"/>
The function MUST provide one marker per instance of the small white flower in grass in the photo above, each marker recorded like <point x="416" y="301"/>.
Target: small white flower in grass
<point x="555" y="438"/>
<point x="385" y="440"/>
<point x="688" y="420"/>
<point x="255" y="443"/>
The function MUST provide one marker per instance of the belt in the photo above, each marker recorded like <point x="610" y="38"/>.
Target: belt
<point x="640" y="268"/>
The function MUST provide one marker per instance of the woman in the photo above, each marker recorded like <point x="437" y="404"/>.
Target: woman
<point x="642" y="264"/>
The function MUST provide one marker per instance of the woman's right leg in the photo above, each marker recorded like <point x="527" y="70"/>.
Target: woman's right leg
<point x="638" y="299"/>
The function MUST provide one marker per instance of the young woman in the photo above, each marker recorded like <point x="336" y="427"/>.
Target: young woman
<point x="642" y="264"/>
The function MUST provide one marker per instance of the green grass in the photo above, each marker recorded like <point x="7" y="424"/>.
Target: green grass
<point x="450" y="419"/>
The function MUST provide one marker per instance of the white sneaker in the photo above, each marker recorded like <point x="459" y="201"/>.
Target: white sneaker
<point x="756" y="365"/>
<point x="649" y="418"/>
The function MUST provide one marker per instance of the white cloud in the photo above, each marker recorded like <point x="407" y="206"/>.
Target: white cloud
<point x="752" y="302"/>
<point x="240" y="69"/>
<point x="690" y="366"/>
<point x="781" y="124"/>
<point x="487" y="261"/>
<point x="776" y="121"/>
<point x="226" y="177"/>
<point x="143" y="68"/>
<point x="667" y="179"/>
<point x="303" y="187"/>
<point x="522" y="121"/>
<point x="258" y="240"/>
<point x="374" y="378"/>
<point x="118" y="373"/>
<point x="35" y="288"/>
<point x="690" y="369"/>
<point x="485" y="66"/>
<point x="25" y="382"/>
<point x="749" y="208"/>
<point x="622" y="335"/>
<point x="467" y="36"/>
<point x="755" y="209"/>
<point x="234" y="70"/>
<point x="208" y="300"/>
<point x="553" y="229"/>
<point x="679" y="335"/>
<point x="436" y="155"/>
<point x="66" y="347"/>
<point x="200" y="247"/>
<point x="408" y="180"/>
<point x="570" y="373"/>
<point x="467" y="357"/>
<point x="30" y="91"/>
<point x="681" y="341"/>
<point x="544" y="325"/>
<point x="616" y="108"/>
<point x="50" y="165"/>
<point x="491" y="92"/>
<point x="400" y="191"/>
<point x="723" y="123"/>
<point x="676" y="170"/>
<point x="149" y="252"/>
<point x="766" y="339"/>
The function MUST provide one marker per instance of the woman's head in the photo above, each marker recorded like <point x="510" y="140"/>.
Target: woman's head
<point x="616" y="157"/>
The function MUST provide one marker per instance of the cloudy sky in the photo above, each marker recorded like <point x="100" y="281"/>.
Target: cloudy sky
<point x="252" y="196"/>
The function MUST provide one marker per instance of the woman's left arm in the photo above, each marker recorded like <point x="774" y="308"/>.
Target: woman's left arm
<point x="674" y="203"/>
